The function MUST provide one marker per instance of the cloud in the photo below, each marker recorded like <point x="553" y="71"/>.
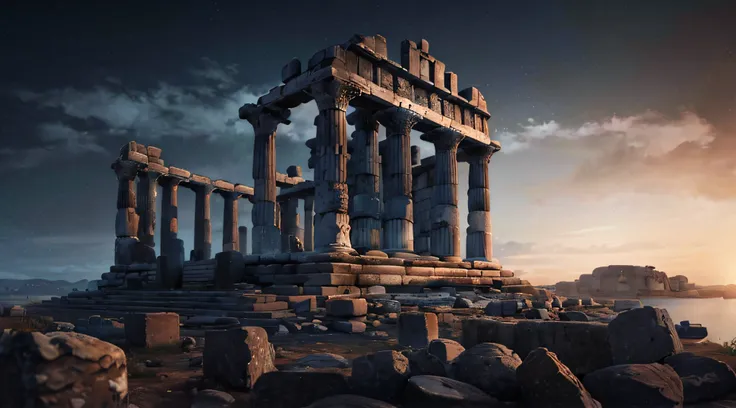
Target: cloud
<point x="513" y="250"/>
<point x="205" y="107"/>
<point x="647" y="153"/>
<point x="585" y="231"/>
<point x="59" y="140"/>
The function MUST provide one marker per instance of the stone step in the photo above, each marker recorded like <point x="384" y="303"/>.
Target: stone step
<point x="168" y="293"/>
<point x="122" y="311"/>
<point x="248" y="307"/>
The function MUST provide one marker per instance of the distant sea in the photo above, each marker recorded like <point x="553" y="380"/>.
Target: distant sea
<point x="717" y="314"/>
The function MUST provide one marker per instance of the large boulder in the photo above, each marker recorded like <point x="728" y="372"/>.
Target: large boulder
<point x="547" y="383"/>
<point x="212" y="399"/>
<point x="643" y="335"/>
<point x="636" y="386"/>
<point x="296" y="389"/>
<point x="423" y="363"/>
<point x="703" y="378"/>
<point x="61" y="369"/>
<point x="573" y="316"/>
<point x="428" y="391"/>
<point x="347" y="307"/>
<point x="622" y="305"/>
<point x="381" y="375"/>
<point x="417" y="329"/>
<point x="582" y="346"/>
<point x="323" y="360"/>
<point x="349" y="401"/>
<point x="445" y="349"/>
<point x="237" y="357"/>
<point x="490" y="367"/>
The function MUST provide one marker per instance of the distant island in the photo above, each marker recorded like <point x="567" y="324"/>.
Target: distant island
<point x="39" y="287"/>
<point x="622" y="281"/>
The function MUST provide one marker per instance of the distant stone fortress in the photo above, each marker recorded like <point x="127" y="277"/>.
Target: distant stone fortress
<point x="628" y="281"/>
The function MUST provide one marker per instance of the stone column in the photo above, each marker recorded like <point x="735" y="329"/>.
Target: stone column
<point x="230" y="231"/>
<point x="266" y="234"/>
<point x="398" y="212"/>
<point x="309" y="224"/>
<point x="479" y="243"/>
<point x="445" y="218"/>
<point x="423" y="180"/>
<point x="169" y="212"/>
<point x="332" y="222"/>
<point x="202" y="224"/>
<point x="126" y="219"/>
<point x="243" y="239"/>
<point x="146" y="207"/>
<point x="365" y="163"/>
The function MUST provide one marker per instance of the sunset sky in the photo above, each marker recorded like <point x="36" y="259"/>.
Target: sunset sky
<point x="617" y="119"/>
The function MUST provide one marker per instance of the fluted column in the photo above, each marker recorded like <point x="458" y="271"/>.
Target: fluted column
<point x="230" y="231"/>
<point x="169" y="212"/>
<point x="146" y="207"/>
<point x="445" y="218"/>
<point x="202" y="223"/>
<point x="365" y="162"/>
<point x="479" y="242"/>
<point x="266" y="234"/>
<point x="332" y="222"/>
<point x="398" y="212"/>
<point x="290" y="223"/>
<point x="309" y="224"/>
<point x="423" y="180"/>
<point x="126" y="219"/>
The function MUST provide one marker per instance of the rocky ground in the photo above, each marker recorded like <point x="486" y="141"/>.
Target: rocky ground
<point x="478" y="353"/>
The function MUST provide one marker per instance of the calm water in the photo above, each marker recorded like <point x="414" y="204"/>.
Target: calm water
<point x="718" y="315"/>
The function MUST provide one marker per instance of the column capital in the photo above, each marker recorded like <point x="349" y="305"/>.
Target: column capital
<point x="264" y="120"/>
<point x="444" y="138"/>
<point x="398" y="120"/>
<point x="168" y="181"/>
<point x="126" y="169"/>
<point x="333" y="94"/>
<point x="478" y="153"/>
<point x="205" y="189"/>
<point x="363" y="119"/>
<point x="229" y="194"/>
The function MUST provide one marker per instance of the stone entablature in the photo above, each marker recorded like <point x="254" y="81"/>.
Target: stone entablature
<point x="363" y="191"/>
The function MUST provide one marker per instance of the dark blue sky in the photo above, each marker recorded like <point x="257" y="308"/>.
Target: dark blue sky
<point x="80" y="78"/>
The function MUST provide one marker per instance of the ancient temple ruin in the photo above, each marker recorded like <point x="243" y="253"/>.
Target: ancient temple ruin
<point x="374" y="213"/>
<point x="362" y="200"/>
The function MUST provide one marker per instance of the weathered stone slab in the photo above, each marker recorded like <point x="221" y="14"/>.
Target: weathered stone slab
<point x="151" y="330"/>
<point x="643" y="335"/>
<point x="349" y="326"/>
<point x="331" y="279"/>
<point x="417" y="329"/>
<point x="237" y="358"/>
<point x="384" y="280"/>
<point x="636" y="386"/>
<point x="433" y="391"/>
<point x="703" y="378"/>
<point x="546" y="382"/>
<point x="347" y="307"/>
<point x="490" y="367"/>
<point x="61" y="369"/>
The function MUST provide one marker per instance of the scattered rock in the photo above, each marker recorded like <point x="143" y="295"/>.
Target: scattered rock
<point x="323" y="360"/>
<point x="547" y="383"/>
<point x="703" y="378"/>
<point x="556" y="302"/>
<point x="349" y="401"/>
<point x="212" y="399"/>
<point x="349" y="326"/>
<point x="152" y="329"/>
<point x="153" y="363"/>
<point x="490" y="367"/>
<point x="296" y="389"/>
<point x="347" y="307"/>
<point x="376" y="323"/>
<point x="502" y="308"/>
<point x="61" y="369"/>
<point x="417" y="329"/>
<point x="60" y="327"/>
<point x="462" y="303"/>
<point x="540" y="314"/>
<point x="445" y="349"/>
<point x="573" y="316"/>
<point x="423" y="363"/>
<point x="384" y="306"/>
<point x="292" y="327"/>
<point x="622" y="305"/>
<point x="425" y="391"/>
<point x="376" y="290"/>
<point x="381" y="375"/>
<point x="237" y="357"/>
<point x="572" y="302"/>
<point x="195" y="362"/>
<point x="188" y="344"/>
<point x="643" y="335"/>
<point x="636" y="385"/>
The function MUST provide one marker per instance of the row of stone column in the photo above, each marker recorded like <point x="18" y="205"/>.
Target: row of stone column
<point x="136" y="217"/>
<point x="374" y="225"/>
